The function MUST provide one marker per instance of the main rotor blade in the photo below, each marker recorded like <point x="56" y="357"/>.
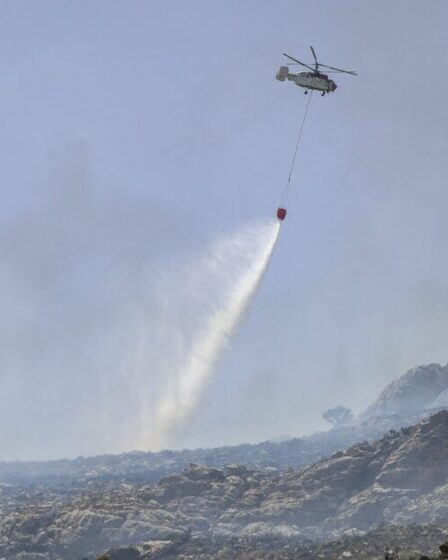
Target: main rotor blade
<point x="298" y="62"/>
<point x="314" y="54"/>
<point x="338" y="69"/>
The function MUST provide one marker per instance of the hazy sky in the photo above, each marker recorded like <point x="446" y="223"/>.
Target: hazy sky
<point x="133" y="134"/>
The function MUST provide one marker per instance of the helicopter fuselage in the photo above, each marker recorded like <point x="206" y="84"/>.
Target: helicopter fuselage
<point x="307" y="80"/>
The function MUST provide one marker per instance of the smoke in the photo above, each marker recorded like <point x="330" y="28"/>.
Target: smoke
<point x="230" y="274"/>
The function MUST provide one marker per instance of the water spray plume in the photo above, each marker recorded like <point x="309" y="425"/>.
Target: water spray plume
<point x="248" y="253"/>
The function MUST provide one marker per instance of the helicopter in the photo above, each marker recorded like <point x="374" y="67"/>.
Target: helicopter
<point x="314" y="80"/>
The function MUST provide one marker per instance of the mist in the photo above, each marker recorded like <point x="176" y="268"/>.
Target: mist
<point x="138" y="329"/>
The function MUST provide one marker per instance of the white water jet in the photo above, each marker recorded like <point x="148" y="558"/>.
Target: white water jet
<point x="237" y="265"/>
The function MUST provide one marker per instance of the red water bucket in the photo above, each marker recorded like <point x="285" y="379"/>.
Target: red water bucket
<point x="281" y="213"/>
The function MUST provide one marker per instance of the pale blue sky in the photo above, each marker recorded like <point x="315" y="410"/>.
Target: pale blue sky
<point x="133" y="133"/>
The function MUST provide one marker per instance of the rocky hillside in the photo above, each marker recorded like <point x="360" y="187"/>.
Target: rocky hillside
<point x="147" y="467"/>
<point x="400" y="479"/>
<point x="417" y="390"/>
<point x="404" y="402"/>
<point x="412" y="542"/>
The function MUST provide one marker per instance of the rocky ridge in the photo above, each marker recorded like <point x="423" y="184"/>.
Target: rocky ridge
<point x="139" y="466"/>
<point x="404" y="402"/>
<point x="400" y="479"/>
<point x="291" y="498"/>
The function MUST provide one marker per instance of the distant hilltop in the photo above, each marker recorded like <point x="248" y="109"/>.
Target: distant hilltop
<point x="421" y="388"/>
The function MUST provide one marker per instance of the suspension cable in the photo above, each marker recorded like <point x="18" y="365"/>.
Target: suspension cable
<point x="299" y="136"/>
